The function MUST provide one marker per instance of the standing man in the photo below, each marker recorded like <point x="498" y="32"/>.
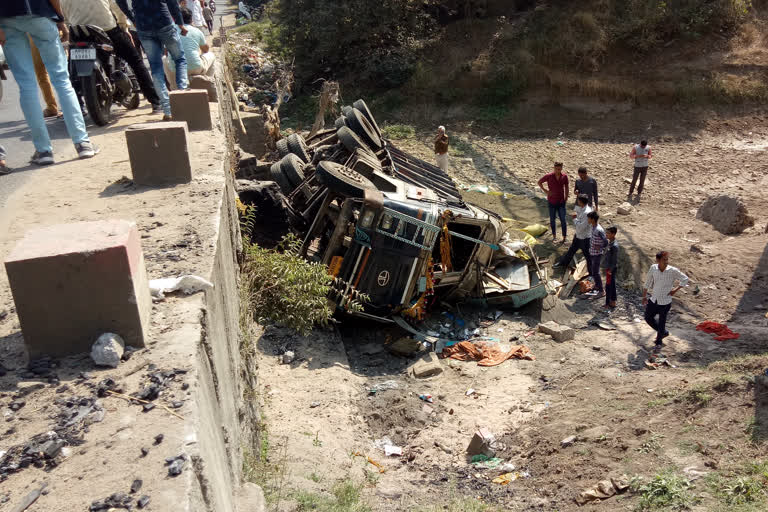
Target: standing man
<point x="107" y="16"/>
<point x="208" y="17"/>
<point x="586" y="185"/>
<point x="597" y="242"/>
<point x="156" y="22"/>
<point x="197" y="14"/>
<point x="42" y="20"/>
<point x="557" y="196"/>
<point x="582" y="236"/>
<point x="640" y="153"/>
<point x="441" y="148"/>
<point x="663" y="281"/>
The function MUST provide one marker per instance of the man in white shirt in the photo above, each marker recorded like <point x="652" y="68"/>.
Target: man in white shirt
<point x="196" y="50"/>
<point x="663" y="282"/>
<point x="582" y="236"/>
<point x="197" y="14"/>
<point x="106" y="15"/>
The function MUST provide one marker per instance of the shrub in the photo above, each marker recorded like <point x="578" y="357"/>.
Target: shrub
<point x="666" y="490"/>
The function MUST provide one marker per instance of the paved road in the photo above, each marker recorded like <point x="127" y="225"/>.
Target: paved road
<point x="15" y="137"/>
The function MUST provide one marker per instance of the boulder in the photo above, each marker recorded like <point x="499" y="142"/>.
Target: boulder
<point x="727" y="214"/>
<point x="427" y="366"/>
<point x="205" y="83"/>
<point x="108" y="350"/>
<point x="624" y="208"/>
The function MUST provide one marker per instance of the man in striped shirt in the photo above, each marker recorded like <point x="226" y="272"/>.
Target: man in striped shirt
<point x="663" y="282"/>
<point x="597" y="243"/>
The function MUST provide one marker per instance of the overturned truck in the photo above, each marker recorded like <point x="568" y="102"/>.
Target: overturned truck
<point x="391" y="227"/>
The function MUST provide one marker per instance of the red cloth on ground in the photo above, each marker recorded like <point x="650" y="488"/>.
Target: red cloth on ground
<point x="722" y="330"/>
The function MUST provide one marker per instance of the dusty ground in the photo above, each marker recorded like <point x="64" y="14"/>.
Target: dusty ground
<point x="696" y="418"/>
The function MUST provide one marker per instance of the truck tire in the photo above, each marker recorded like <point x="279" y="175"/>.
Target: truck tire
<point x="280" y="178"/>
<point x="282" y="147"/>
<point x="298" y="147"/>
<point x="340" y="122"/>
<point x="350" y="140"/>
<point x="362" y="107"/>
<point x="343" y="180"/>
<point x="293" y="169"/>
<point x="358" y="123"/>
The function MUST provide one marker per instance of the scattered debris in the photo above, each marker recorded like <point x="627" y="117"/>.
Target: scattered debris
<point x="486" y="353"/>
<point x="159" y="439"/>
<point x="383" y="386"/>
<point x="427" y="366"/>
<point x="114" y="501"/>
<point x="176" y="464"/>
<point x="30" y="498"/>
<point x="604" y="489"/>
<point x="188" y="284"/>
<point x="404" y="346"/>
<point x="108" y="350"/>
<point x="143" y="501"/>
<point x="483" y="443"/>
<point x="426" y="398"/>
<point x="506" y="478"/>
<point x="288" y="357"/>
<point x="136" y="486"/>
<point x="556" y="331"/>
<point x="568" y="441"/>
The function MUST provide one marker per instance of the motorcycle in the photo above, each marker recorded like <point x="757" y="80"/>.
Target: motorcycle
<point x="99" y="76"/>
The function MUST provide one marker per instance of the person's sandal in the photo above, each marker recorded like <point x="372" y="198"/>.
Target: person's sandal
<point x="4" y="170"/>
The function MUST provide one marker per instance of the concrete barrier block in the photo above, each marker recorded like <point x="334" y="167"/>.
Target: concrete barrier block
<point x="73" y="282"/>
<point x="557" y="331"/>
<point x="158" y="153"/>
<point x="191" y="106"/>
<point x="205" y="83"/>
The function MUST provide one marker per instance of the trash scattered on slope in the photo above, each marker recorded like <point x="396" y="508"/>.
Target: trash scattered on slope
<point x="604" y="489"/>
<point x="188" y="284"/>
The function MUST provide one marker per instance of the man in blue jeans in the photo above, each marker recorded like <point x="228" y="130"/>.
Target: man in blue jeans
<point x="557" y="196"/>
<point x="41" y="20"/>
<point x="156" y="22"/>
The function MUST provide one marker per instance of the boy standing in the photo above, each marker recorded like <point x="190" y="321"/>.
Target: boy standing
<point x="610" y="264"/>
<point x="597" y="242"/>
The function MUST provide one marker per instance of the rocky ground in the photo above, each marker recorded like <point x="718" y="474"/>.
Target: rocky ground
<point x="585" y="410"/>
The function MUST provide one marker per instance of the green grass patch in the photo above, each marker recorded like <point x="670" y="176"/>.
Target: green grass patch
<point x="698" y="396"/>
<point x="459" y="505"/>
<point x="666" y="490"/>
<point x="747" y="364"/>
<point x="344" y="497"/>
<point x="398" y="131"/>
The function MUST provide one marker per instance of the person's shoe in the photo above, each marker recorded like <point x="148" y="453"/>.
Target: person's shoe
<point x="157" y="108"/>
<point x="666" y="333"/>
<point x="592" y="293"/>
<point x="657" y="348"/>
<point x="42" y="158"/>
<point x="50" y="112"/>
<point x="167" y="117"/>
<point x="4" y="170"/>
<point x="86" y="150"/>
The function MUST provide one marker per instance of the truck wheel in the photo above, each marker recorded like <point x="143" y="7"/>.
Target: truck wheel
<point x="340" y="122"/>
<point x="292" y="168"/>
<point x="350" y="140"/>
<point x="282" y="147"/>
<point x="343" y="180"/>
<point x="358" y="123"/>
<point x="298" y="147"/>
<point x="280" y="178"/>
<point x="362" y="107"/>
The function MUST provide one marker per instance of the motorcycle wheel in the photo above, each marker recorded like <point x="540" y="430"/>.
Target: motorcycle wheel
<point x="98" y="99"/>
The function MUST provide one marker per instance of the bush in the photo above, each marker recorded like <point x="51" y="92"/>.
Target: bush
<point x="284" y="288"/>
<point x="665" y="491"/>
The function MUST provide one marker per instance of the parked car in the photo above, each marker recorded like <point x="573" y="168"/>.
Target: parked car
<point x="394" y="227"/>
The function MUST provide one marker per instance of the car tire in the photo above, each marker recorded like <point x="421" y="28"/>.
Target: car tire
<point x="298" y="147"/>
<point x="358" y="123"/>
<point x="280" y="178"/>
<point x="350" y="141"/>
<point x="292" y="168"/>
<point x="343" y="180"/>
<point x="282" y="147"/>
<point x="362" y="107"/>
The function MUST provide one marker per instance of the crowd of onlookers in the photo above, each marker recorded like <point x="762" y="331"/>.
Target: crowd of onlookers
<point x="34" y="35"/>
<point x="598" y="245"/>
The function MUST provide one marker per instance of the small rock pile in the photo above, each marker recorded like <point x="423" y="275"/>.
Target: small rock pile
<point x="727" y="214"/>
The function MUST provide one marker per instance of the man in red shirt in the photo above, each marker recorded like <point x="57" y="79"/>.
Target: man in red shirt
<point x="557" y="195"/>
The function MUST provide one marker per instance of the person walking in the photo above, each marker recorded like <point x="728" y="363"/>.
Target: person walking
<point x="198" y="21"/>
<point x="441" y="148"/>
<point x="640" y="153"/>
<point x="208" y="17"/>
<point x="158" y="23"/>
<point x="663" y="282"/>
<point x="611" y="266"/>
<point x="199" y="59"/>
<point x="44" y="82"/>
<point x="557" y="196"/>
<point x="582" y="236"/>
<point x="42" y="20"/>
<point x="244" y="10"/>
<point x="597" y="243"/>
<point x="587" y="185"/>
<point x="106" y="15"/>
<point x="4" y="169"/>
